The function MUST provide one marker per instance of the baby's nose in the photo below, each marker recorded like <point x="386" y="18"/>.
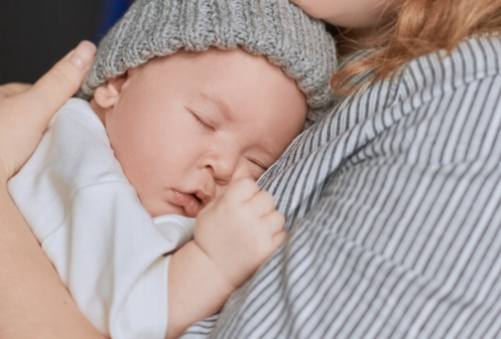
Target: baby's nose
<point x="223" y="164"/>
<point x="223" y="170"/>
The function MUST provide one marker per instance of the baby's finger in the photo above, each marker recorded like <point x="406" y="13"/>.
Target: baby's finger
<point x="275" y="221"/>
<point x="241" y="190"/>
<point x="279" y="239"/>
<point x="262" y="203"/>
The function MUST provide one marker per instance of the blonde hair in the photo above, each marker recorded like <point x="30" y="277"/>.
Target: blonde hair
<point x="415" y="28"/>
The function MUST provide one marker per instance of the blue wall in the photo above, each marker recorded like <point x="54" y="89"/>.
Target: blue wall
<point x="112" y="11"/>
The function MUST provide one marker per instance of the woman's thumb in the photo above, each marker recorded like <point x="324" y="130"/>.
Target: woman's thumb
<point x="53" y="89"/>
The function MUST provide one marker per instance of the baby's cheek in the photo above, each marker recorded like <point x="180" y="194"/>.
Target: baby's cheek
<point x="257" y="173"/>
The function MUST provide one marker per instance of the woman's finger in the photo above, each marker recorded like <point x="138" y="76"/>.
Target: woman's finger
<point x="24" y="117"/>
<point x="53" y="89"/>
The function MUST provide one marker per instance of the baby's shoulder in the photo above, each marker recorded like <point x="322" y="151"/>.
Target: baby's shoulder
<point x="75" y="120"/>
<point x="76" y="150"/>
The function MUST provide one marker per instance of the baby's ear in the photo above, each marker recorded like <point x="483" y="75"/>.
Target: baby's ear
<point x="107" y="95"/>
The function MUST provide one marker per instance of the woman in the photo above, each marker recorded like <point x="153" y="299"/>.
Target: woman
<point x="393" y="198"/>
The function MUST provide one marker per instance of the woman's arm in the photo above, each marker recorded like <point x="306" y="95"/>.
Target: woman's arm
<point x="33" y="301"/>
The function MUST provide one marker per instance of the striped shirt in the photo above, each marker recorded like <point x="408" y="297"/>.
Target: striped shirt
<point x="394" y="213"/>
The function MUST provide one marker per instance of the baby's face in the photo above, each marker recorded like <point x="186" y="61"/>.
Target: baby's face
<point x="183" y="127"/>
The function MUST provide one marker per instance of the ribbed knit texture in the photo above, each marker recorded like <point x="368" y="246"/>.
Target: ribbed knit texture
<point x="276" y="29"/>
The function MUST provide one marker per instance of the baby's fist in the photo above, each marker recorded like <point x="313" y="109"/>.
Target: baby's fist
<point x="240" y="230"/>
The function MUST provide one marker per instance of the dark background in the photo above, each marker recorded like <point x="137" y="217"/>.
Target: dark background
<point x="34" y="34"/>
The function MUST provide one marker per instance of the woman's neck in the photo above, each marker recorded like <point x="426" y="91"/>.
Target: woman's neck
<point x="353" y="40"/>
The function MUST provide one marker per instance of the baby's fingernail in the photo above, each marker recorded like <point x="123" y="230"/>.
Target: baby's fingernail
<point x="83" y="54"/>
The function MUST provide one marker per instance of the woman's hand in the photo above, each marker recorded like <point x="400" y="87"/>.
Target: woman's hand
<point x="25" y="110"/>
<point x="12" y="89"/>
<point x="34" y="303"/>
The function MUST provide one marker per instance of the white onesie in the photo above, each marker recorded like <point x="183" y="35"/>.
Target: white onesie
<point x="105" y="246"/>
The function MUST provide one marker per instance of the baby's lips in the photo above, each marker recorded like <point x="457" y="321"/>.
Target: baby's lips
<point x="188" y="203"/>
<point x="192" y="209"/>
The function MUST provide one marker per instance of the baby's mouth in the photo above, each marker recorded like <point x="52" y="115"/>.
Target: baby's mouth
<point x="188" y="202"/>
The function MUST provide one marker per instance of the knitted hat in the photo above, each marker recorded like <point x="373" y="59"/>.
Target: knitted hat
<point x="276" y="29"/>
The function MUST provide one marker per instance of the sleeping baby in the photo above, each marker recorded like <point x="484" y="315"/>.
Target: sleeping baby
<point x="143" y="194"/>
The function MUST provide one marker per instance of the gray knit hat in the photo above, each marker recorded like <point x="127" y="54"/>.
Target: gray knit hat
<point x="276" y="29"/>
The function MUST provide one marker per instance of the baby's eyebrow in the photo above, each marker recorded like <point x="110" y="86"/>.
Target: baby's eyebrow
<point x="219" y="102"/>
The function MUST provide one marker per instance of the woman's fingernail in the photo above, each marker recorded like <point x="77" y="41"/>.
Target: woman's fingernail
<point x="83" y="54"/>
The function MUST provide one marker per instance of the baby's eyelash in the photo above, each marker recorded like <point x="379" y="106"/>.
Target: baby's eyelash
<point x="258" y="164"/>
<point x="200" y="120"/>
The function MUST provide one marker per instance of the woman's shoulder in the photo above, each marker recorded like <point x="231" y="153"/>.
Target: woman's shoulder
<point x="474" y="59"/>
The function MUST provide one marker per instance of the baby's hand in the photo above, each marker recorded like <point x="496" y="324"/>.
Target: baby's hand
<point x="240" y="230"/>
